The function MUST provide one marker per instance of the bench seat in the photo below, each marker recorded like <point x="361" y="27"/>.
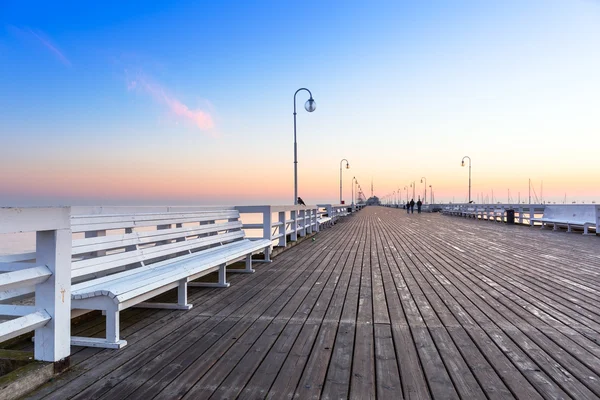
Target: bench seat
<point x="584" y="216"/>
<point x="124" y="286"/>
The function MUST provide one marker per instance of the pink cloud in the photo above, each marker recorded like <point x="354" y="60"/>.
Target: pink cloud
<point x="50" y="46"/>
<point x="200" y="118"/>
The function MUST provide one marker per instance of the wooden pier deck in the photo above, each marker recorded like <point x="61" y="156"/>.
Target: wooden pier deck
<point x="383" y="305"/>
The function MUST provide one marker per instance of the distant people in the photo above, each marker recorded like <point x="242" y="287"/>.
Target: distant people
<point x="419" y="204"/>
<point x="408" y="207"/>
<point x="412" y="206"/>
<point x="300" y="201"/>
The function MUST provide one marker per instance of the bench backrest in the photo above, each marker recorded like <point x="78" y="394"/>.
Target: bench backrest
<point x="114" y="243"/>
<point x="579" y="213"/>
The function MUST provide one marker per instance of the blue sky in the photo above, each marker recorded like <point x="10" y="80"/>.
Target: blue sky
<point x="191" y="102"/>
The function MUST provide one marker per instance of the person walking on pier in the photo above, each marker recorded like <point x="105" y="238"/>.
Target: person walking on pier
<point x="419" y="204"/>
<point x="412" y="206"/>
<point x="408" y="207"/>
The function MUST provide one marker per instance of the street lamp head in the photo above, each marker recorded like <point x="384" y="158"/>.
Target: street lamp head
<point x="310" y="105"/>
<point x="463" y="163"/>
<point x="347" y="166"/>
<point x="421" y="180"/>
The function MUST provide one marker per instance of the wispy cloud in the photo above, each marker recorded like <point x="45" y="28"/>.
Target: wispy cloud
<point x="202" y="119"/>
<point x="47" y="43"/>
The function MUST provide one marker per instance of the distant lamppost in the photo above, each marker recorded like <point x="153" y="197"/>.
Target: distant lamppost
<point x="431" y="191"/>
<point x="353" y="179"/>
<point x="347" y="167"/>
<point x="463" y="164"/>
<point x="309" y="106"/>
<point x="406" y="188"/>
<point x="424" y="197"/>
<point x="413" y="185"/>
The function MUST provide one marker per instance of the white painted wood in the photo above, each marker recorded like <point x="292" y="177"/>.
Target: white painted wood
<point x="27" y="323"/>
<point x="16" y="294"/>
<point x="97" y="342"/>
<point x="14" y="220"/>
<point x="15" y="266"/>
<point x="164" y="306"/>
<point x="24" y="277"/>
<point x="17" y="257"/>
<point x="53" y="249"/>
<point x="13" y="310"/>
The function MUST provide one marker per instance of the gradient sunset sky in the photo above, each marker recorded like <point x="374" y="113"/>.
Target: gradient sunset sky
<point x="191" y="102"/>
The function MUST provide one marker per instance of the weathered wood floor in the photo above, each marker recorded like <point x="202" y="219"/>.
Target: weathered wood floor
<point x="383" y="305"/>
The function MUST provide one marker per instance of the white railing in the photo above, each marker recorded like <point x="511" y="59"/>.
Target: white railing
<point x="49" y="275"/>
<point x="335" y="211"/>
<point x="277" y="222"/>
<point x="497" y="212"/>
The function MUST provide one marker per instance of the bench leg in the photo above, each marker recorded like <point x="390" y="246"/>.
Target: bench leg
<point x="112" y="340"/>
<point x="182" y="303"/>
<point x="247" y="270"/>
<point x="221" y="283"/>
<point x="267" y="256"/>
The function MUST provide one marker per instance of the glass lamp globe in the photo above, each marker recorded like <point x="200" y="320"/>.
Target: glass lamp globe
<point x="347" y="166"/>
<point x="463" y="163"/>
<point x="310" y="105"/>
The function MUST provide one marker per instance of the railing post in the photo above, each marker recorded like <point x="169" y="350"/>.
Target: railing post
<point x="521" y="215"/>
<point x="303" y="221"/>
<point x="53" y="249"/>
<point x="597" y="220"/>
<point x="316" y="219"/>
<point x="267" y="223"/>
<point x="294" y="216"/>
<point x="531" y="214"/>
<point x="282" y="230"/>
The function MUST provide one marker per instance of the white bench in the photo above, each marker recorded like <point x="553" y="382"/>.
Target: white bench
<point x="584" y="216"/>
<point x="469" y="212"/>
<point x="151" y="254"/>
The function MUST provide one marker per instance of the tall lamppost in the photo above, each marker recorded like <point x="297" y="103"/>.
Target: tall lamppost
<point x="431" y="195"/>
<point x="353" y="179"/>
<point x="413" y="185"/>
<point x="309" y="106"/>
<point x="424" y="197"/>
<point x="406" y="188"/>
<point x="347" y="167"/>
<point x="463" y="164"/>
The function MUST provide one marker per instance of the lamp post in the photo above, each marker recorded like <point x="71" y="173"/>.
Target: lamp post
<point x="353" y="179"/>
<point x="406" y="188"/>
<point x="424" y="197"/>
<point x="347" y="167"/>
<point x="463" y="164"/>
<point x="413" y="185"/>
<point x="431" y="191"/>
<point x="309" y="106"/>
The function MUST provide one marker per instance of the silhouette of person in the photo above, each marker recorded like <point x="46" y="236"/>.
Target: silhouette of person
<point x="408" y="207"/>
<point x="412" y="206"/>
<point x="300" y="201"/>
<point x="419" y="204"/>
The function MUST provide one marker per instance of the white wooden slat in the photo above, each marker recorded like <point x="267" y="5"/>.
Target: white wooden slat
<point x="125" y="279"/>
<point x="104" y="218"/>
<point x="88" y="245"/>
<point x="13" y="310"/>
<point x="140" y="271"/>
<point x="83" y="225"/>
<point x="145" y="254"/>
<point x="16" y="294"/>
<point x="108" y="262"/>
<point x="14" y="266"/>
<point x="17" y="257"/>
<point x="24" y="324"/>
<point x="132" y="285"/>
<point x="118" y="210"/>
<point x="24" y="277"/>
<point x="31" y="219"/>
